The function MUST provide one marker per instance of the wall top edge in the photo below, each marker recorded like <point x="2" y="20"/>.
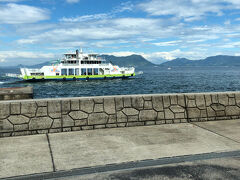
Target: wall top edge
<point x="129" y="95"/>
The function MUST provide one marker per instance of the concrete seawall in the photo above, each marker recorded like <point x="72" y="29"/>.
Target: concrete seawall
<point x="15" y="93"/>
<point x="37" y="116"/>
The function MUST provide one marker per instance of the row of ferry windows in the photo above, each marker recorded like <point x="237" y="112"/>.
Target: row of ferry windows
<point x="76" y="72"/>
<point x="82" y="62"/>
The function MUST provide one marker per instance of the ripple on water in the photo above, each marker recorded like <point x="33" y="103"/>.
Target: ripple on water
<point x="156" y="80"/>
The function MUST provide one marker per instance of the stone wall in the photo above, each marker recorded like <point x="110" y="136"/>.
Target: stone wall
<point x="23" y="117"/>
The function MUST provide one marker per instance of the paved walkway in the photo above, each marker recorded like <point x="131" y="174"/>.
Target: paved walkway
<point x="50" y="155"/>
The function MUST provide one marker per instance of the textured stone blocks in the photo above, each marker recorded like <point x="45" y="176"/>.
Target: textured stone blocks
<point x="41" y="111"/>
<point x="29" y="108"/>
<point x="86" y="105"/>
<point x="232" y="111"/>
<point x="40" y="123"/>
<point x="157" y="103"/>
<point x="97" y="118"/>
<point x="67" y="121"/>
<point x="72" y="114"/>
<point x="121" y="117"/>
<point x="78" y="115"/>
<point x="18" y="119"/>
<point x="4" y="110"/>
<point x="147" y="115"/>
<point x="130" y="111"/>
<point x="54" y="109"/>
<point x="137" y="102"/>
<point x="109" y="105"/>
<point x="75" y="104"/>
<point x="15" y="108"/>
<point x="5" y="126"/>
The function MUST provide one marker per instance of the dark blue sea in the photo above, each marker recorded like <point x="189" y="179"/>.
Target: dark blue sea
<point x="147" y="81"/>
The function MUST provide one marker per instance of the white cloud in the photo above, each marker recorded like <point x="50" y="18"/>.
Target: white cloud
<point x="228" y="22"/>
<point x="229" y="45"/>
<point x="122" y="28"/>
<point x="134" y="31"/>
<point x="72" y="1"/>
<point x="85" y="18"/>
<point x="13" y="58"/>
<point x="162" y="55"/>
<point x="121" y="53"/>
<point x="18" y="14"/>
<point x="189" y="10"/>
<point x="127" y="6"/>
<point x="168" y="43"/>
<point x="177" y="53"/>
<point x="24" y="54"/>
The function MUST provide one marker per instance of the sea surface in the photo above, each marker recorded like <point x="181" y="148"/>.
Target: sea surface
<point x="147" y="81"/>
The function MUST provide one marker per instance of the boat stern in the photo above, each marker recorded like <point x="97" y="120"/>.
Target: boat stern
<point x="31" y="74"/>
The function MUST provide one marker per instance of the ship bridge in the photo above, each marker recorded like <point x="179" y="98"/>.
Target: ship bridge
<point x="80" y="58"/>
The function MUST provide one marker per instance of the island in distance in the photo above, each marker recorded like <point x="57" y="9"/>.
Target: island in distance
<point x="220" y="60"/>
<point x="140" y="62"/>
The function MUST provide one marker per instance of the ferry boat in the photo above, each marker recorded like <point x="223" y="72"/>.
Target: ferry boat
<point x="78" y="66"/>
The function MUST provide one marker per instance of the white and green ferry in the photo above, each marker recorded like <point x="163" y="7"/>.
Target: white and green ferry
<point x="78" y="66"/>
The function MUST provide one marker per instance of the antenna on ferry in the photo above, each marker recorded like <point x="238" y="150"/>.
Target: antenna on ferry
<point x="81" y="51"/>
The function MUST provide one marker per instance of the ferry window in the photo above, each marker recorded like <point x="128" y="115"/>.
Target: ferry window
<point x="64" y="71"/>
<point x="95" y="71"/>
<point x="71" y="72"/>
<point x="83" y="71"/>
<point x="77" y="72"/>
<point x="57" y="74"/>
<point x="89" y="71"/>
<point x="37" y="74"/>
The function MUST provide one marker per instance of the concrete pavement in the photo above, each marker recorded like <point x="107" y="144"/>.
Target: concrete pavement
<point x="229" y="129"/>
<point x="67" y="151"/>
<point x="210" y="169"/>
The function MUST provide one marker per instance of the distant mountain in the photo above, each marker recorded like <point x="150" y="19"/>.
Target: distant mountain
<point x="220" y="60"/>
<point x="132" y="60"/>
<point x="140" y="62"/>
<point x="127" y="61"/>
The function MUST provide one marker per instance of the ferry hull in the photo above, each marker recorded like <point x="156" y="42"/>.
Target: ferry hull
<point x="81" y="77"/>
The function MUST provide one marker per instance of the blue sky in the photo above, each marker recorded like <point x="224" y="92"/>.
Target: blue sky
<point x="35" y="31"/>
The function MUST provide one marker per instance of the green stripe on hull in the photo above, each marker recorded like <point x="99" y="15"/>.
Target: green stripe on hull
<point x="76" y="77"/>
